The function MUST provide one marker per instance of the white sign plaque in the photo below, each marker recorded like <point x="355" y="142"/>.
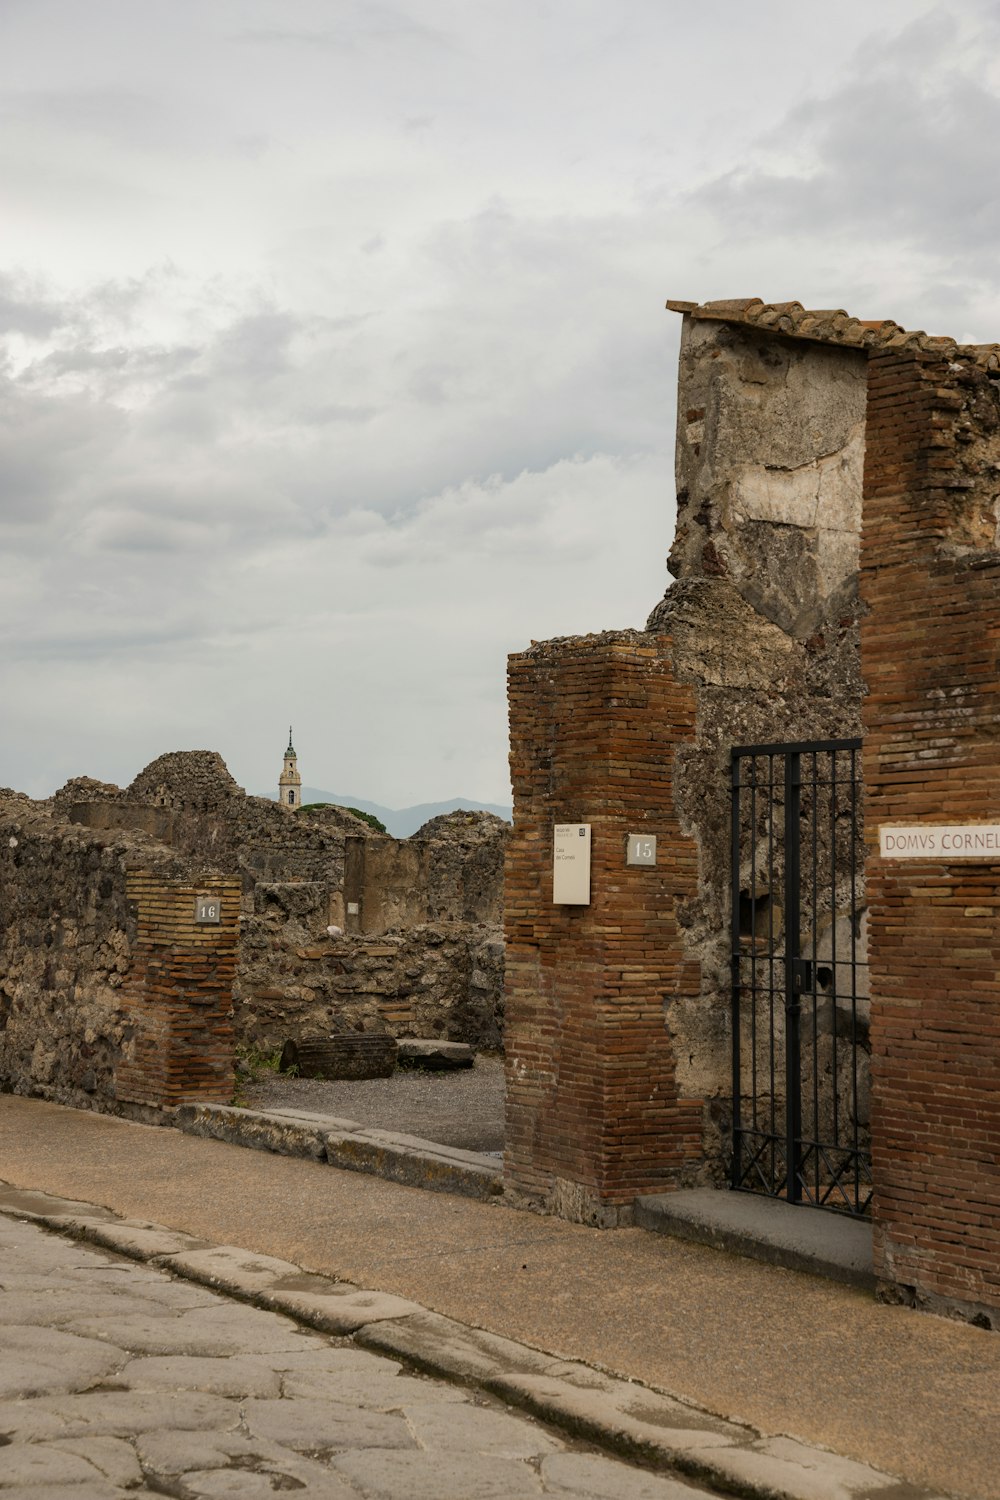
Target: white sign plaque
<point x="641" y="849"/>
<point x="948" y="841"/>
<point x="571" y="864"/>
<point x="207" y="909"/>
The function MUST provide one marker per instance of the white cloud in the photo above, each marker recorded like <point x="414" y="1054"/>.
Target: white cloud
<point x="333" y="363"/>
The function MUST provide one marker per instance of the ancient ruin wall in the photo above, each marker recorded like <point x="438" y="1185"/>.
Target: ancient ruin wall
<point x="763" y="619"/>
<point x="930" y="643"/>
<point x="435" y="899"/>
<point x="105" y="1001"/>
<point x="421" y="951"/>
<point x="424" y="981"/>
<point x="451" y="870"/>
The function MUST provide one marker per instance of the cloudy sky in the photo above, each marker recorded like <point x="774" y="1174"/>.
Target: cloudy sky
<point x="333" y="358"/>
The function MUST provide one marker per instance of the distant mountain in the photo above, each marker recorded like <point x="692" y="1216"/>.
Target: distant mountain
<point x="402" y="821"/>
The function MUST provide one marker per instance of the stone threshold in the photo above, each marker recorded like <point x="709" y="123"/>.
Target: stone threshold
<point x="797" y="1237"/>
<point x="639" y="1423"/>
<point x="344" y="1143"/>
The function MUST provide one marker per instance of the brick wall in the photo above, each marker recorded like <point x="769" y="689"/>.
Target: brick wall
<point x="594" y="1113"/>
<point x="111" y="996"/>
<point x="179" y="993"/>
<point x="930" y="649"/>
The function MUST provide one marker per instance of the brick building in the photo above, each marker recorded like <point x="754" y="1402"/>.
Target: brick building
<point x="776" y="1001"/>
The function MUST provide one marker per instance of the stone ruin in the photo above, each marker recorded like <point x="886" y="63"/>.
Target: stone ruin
<point x="837" y="567"/>
<point x="756" y="641"/>
<point x="330" y="924"/>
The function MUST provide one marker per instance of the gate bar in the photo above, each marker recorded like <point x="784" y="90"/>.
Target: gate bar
<point x="793" y="1005"/>
<point x="734" y="948"/>
<point x="781" y="749"/>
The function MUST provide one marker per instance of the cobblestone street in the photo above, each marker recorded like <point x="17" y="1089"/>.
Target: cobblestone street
<point x="118" y="1380"/>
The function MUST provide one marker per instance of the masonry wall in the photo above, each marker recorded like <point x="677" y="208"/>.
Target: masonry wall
<point x="441" y="980"/>
<point x="594" y="1112"/>
<point x="107" y="999"/>
<point x="931" y="650"/>
<point x="451" y="871"/>
<point x="179" y="995"/>
<point x="763" y="619"/>
<point x="420" y="949"/>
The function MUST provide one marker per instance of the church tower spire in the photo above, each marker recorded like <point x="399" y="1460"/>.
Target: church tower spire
<point x="290" y="782"/>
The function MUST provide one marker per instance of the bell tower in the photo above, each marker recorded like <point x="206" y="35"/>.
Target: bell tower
<point x="290" y="782"/>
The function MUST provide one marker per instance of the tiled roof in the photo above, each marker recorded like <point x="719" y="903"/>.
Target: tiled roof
<point x="831" y="326"/>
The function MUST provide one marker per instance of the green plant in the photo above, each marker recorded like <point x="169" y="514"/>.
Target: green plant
<point x="252" y="1062"/>
<point x="376" y="823"/>
<point x="365" y="817"/>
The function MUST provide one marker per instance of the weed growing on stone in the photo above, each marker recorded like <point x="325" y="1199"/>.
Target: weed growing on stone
<point x="254" y="1062"/>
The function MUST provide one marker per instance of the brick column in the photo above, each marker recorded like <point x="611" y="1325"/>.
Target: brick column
<point x="930" y="647"/>
<point x="593" y="1111"/>
<point x="179" y="994"/>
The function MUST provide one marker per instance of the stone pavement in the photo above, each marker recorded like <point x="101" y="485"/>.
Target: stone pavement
<point x="119" y="1380"/>
<point x="801" y="1361"/>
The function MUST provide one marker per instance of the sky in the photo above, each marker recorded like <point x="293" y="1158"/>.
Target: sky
<point x="334" y="363"/>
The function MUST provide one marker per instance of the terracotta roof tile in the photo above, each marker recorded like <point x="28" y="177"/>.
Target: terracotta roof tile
<point x="833" y="326"/>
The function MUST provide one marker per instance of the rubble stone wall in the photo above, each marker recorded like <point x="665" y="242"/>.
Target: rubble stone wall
<point x="764" y="623"/>
<point x="450" y="871"/>
<point x="98" y="1009"/>
<point x="427" y="980"/>
<point x="437" y="899"/>
<point x="930" y="646"/>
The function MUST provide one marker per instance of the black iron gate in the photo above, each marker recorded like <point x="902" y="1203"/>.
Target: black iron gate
<point x="799" y="976"/>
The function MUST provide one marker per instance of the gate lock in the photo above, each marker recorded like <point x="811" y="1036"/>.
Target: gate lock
<point x="801" y="975"/>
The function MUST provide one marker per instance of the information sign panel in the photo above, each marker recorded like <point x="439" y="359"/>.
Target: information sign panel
<point x="571" y="865"/>
<point x="207" y="909"/>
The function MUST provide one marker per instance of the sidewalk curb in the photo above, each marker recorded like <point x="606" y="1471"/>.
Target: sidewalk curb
<point x="765" y="1229"/>
<point x="627" y="1419"/>
<point x="344" y="1143"/>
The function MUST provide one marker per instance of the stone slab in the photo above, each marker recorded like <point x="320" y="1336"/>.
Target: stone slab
<point x="248" y="1127"/>
<point x="796" y="1237"/>
<point x="23" y="1203"/>
<point x="137" y="1240"/>
<point x="331" y="1306"/>
<point x="415" y="1163"/>
<point x="436" y="1056"/>
<point x="442" y="1346"/>
<point x="399" y="1158"/>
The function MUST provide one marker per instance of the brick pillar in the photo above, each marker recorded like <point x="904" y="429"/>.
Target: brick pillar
<point x="930" y="646"/>
<point x="593" y="1111"/>
<point x="179" y="993"/>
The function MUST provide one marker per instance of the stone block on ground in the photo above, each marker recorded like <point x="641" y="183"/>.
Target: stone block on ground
<point x="435" y="1056"/>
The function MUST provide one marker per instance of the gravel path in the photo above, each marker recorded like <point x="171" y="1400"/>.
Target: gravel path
<point x="464" y="1108"/>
